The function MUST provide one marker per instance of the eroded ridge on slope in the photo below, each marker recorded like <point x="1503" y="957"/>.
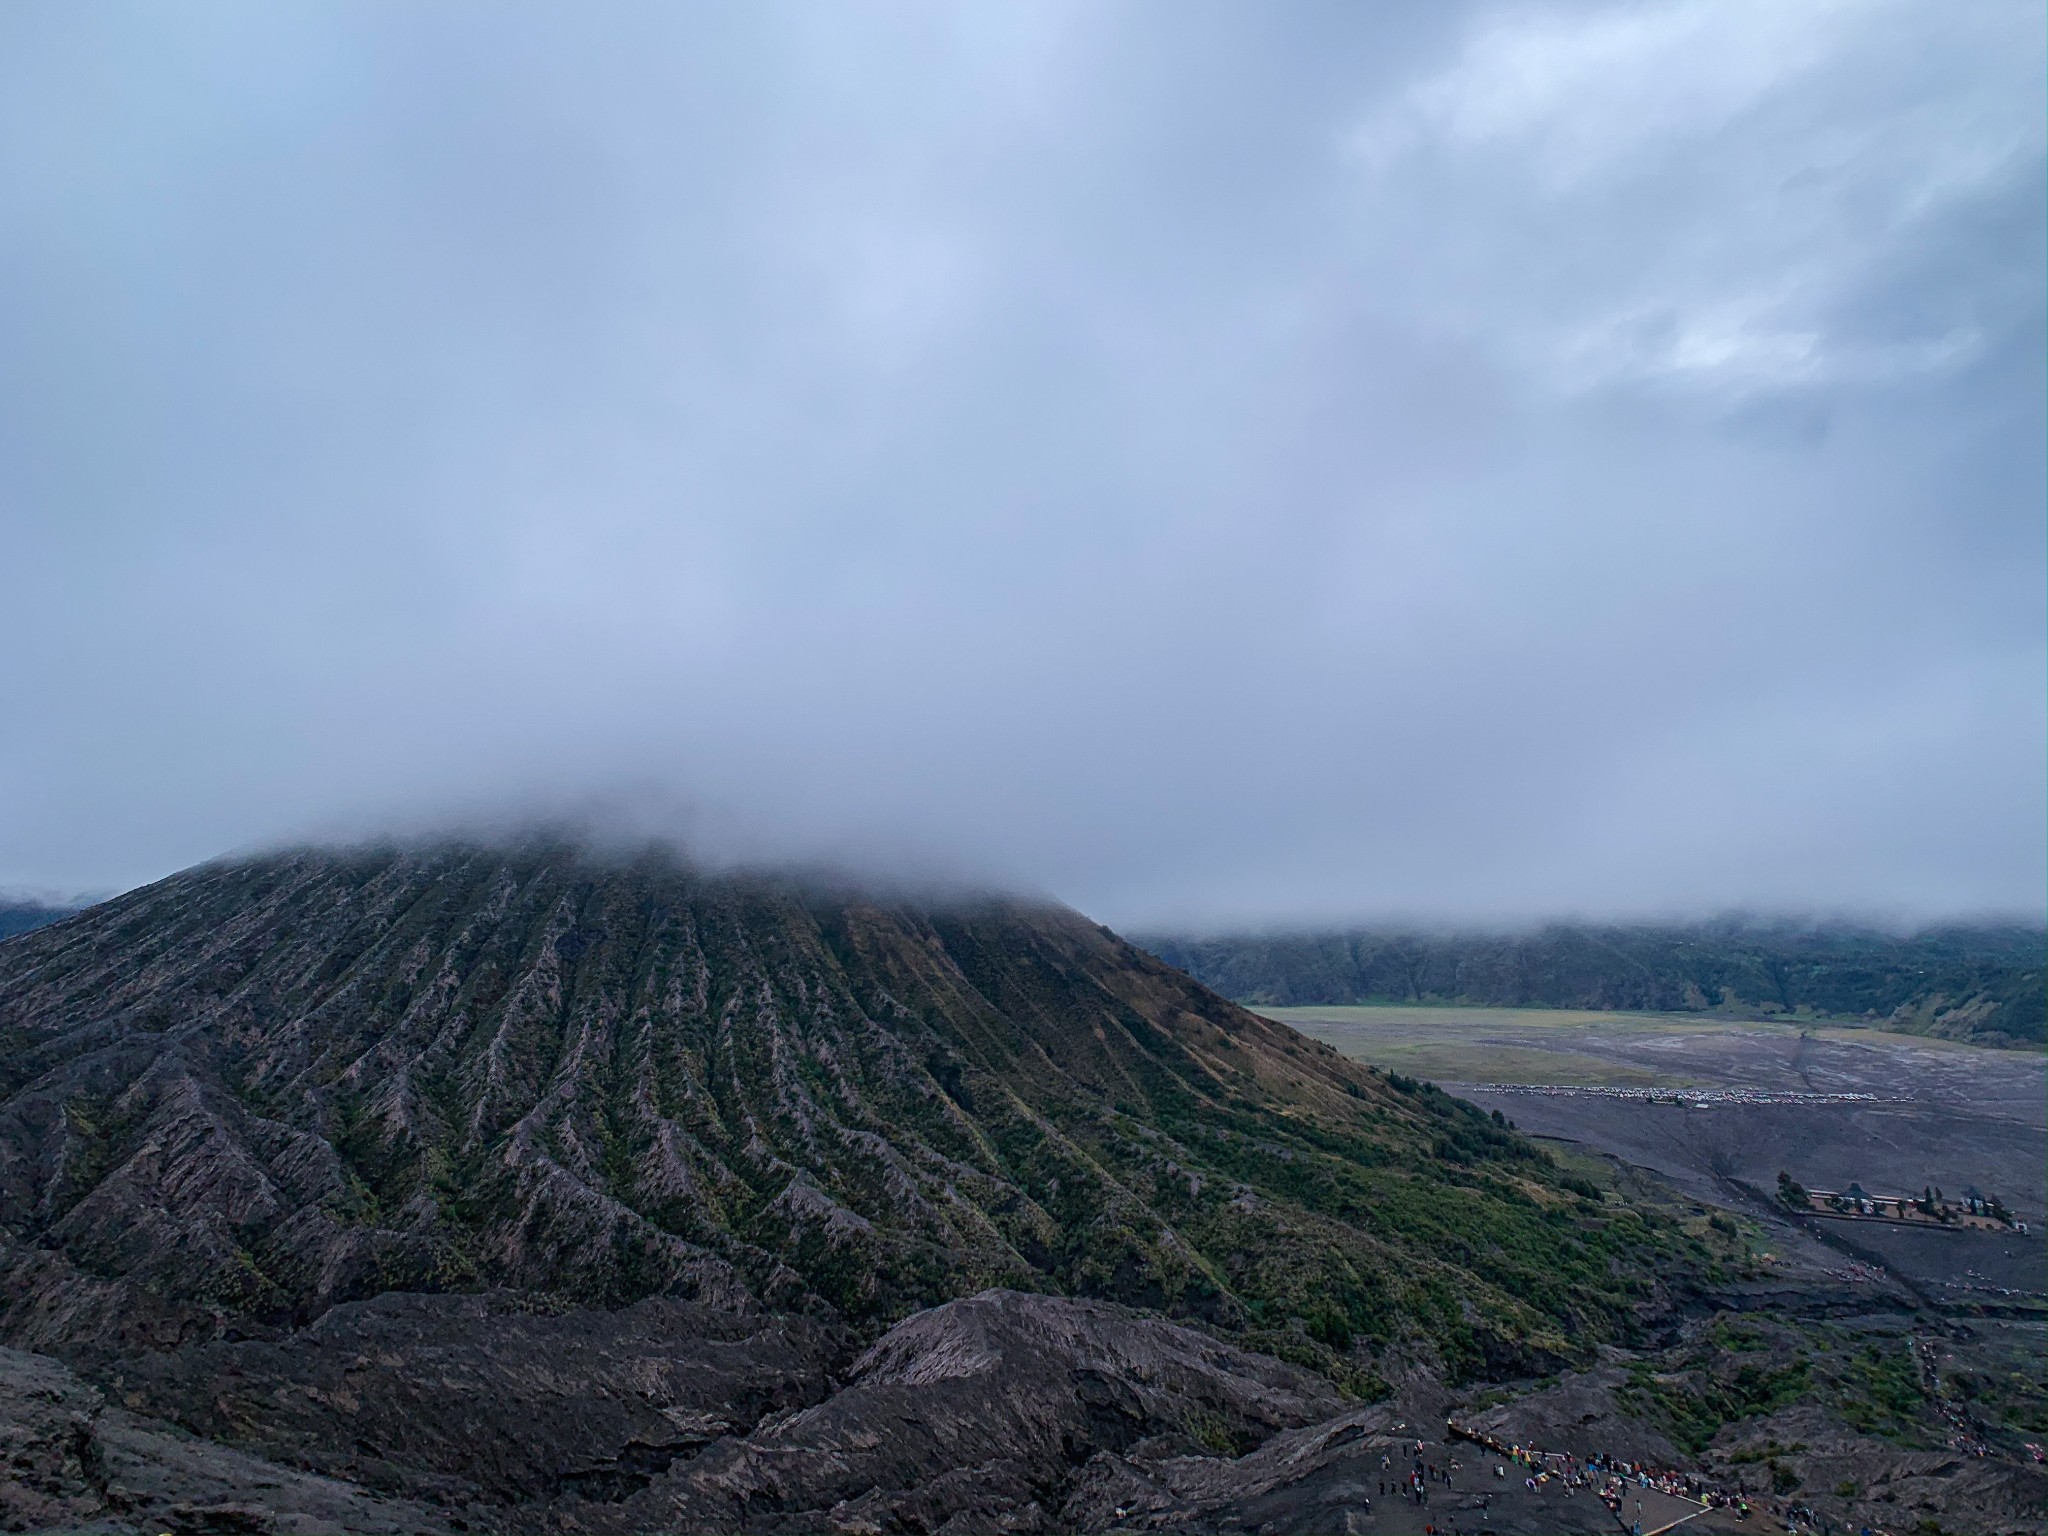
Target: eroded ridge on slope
<point x="256" y="1090"/>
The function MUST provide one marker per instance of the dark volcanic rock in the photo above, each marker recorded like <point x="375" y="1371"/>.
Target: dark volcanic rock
<point x="1340" y="1476"/>
<point x="50" y="1471"/>
<point x="68" y="1461"/>
<point x="976" y="1415"/>
<point x="1308" y="1481"/>
<point x="1903" y="1489"/>
<point x="481" y="1397"/>
<point x="1579" y="1413"/>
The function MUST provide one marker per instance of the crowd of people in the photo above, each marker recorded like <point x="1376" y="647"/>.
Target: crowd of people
<point x="1966" y="1434"/>
<point x="1609" y="1477"/>
<point x="1612" y="1479"/>
<point x="1416" y="1483"/>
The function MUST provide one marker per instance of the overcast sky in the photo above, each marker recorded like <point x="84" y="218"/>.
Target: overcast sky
<point x="1215" y="463"/>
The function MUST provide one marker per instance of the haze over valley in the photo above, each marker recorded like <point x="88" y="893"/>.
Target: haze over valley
<point x="1024" y="770"/>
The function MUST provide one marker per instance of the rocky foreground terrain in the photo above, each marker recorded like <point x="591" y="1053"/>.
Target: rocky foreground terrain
<point x="468" y="1188"/>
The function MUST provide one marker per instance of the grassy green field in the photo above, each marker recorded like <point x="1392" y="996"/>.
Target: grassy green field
<point x="1496" y="1045"/>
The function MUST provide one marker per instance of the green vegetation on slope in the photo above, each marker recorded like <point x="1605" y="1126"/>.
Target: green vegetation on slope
<point x="321" y="1076"/>
<point x="1746" y="1368"/>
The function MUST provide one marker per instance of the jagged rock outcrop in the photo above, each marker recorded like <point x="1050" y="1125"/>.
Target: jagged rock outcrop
<point x="71" y="1461"/>
<point x="976" y="1416"/>
<point x="486" y="1400"/>
<point x="984" y="1414"/>
<point x="1313" y="1480"/>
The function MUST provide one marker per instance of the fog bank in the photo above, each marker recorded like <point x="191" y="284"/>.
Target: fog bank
<point x="1222" y="465"/>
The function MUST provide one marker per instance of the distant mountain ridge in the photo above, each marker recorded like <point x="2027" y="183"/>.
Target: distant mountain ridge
<point x="22" y="916"/>
<point x="1983" y="984"/>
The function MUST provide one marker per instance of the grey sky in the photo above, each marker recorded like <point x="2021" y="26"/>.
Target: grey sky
<point x="1213" y="462"/>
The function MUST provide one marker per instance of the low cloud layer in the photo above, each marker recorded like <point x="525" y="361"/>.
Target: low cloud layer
<point x="1216" y="463"/>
